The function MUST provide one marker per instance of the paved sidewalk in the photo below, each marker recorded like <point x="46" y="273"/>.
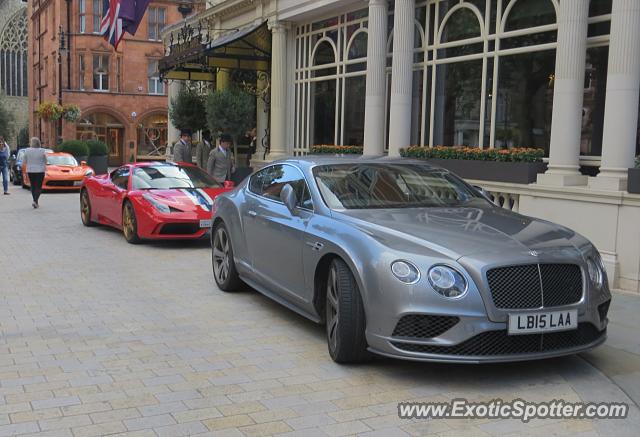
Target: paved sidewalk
<point x="99" y="337"/>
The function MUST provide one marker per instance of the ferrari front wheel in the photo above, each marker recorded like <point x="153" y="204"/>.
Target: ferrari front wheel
<point x="85" y="209"/>
<point x="224" y="267"/>
<point x="130" y="224"/>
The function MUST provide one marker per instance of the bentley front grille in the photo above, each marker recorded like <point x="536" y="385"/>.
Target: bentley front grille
<point x="535" y="285"/>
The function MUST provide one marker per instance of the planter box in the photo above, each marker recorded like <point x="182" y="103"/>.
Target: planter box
<point x="497" y="171"/>
<point x="100" y="164"/>
<point x="633" y="183"/>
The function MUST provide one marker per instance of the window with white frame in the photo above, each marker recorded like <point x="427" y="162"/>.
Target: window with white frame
<point x="484" y="73"/>
<point x="330" y="81"/>
<point x="157" y="21"/>
<point x="99" y="9"/>
<point x="13" y="56"/>
<point x="82" y="16"/>
<point x="156" y="85"/>
<point x="101" y="72"/>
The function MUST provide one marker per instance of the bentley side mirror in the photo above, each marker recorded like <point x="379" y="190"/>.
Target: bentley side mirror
<point x="484" y="193"/>
<point x="289" y="198"/>
<point x="228" y="184"/>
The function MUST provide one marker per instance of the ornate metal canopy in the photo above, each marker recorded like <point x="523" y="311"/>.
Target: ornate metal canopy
<point x="194" y="56"/>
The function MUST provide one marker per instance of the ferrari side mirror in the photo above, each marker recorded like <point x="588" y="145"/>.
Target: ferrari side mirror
<point x="229" y="184"/>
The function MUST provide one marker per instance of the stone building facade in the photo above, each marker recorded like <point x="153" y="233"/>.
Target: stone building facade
<point x="13" y="63"/>
<point x="121" y="96"/>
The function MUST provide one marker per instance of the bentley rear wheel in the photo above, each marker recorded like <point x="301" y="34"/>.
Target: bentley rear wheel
<point x="85" y="209"/>
<point x="224" y="267"/>
<point x="130" y="224"/>
<point x="345" y="317"/>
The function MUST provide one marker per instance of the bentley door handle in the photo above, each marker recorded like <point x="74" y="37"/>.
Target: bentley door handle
<point x="252" y="213"/>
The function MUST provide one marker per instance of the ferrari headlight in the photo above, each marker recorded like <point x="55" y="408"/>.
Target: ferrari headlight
<point x="596" y="273"/>
<point x="158" y="205"/>
<point x="447" y="282"/>
<point x="405" y="272"/>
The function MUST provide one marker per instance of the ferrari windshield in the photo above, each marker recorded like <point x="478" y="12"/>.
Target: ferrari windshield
<point x="166" y="176"/>
<point x="367" y="186"/>
<point x="65" y="160"/>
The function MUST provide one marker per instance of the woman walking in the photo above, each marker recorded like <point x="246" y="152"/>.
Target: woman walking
<point x="5" y="153"/>
<point x="36" y="162"/>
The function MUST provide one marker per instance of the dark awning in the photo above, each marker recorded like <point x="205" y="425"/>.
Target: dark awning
<point x="248" y="48"/>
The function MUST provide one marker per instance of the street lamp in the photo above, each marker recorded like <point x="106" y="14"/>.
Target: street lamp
<point x="62" y="48"/>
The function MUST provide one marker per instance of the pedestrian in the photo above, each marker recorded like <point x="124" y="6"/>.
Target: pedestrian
<point x="221" y="161"/>
<point x="182" y="149"/>
<point x="35" y="160"/>
<point x="251" y="137"/>
<point x="5" y="153"/>
<point x="203" y="149"/>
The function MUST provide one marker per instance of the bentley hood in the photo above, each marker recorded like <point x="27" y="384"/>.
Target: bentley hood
<point x="463" y="231"/>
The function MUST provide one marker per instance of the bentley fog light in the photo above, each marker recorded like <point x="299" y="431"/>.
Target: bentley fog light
<point x="595" y="272"/>
<point x="405" y="272"/>
<point x="447" y="282"/>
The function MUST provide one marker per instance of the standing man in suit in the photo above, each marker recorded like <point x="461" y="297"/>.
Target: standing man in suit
<point x="203" y="149"/>
<point x="182" y="149"/>
<point x="220" y="164"/>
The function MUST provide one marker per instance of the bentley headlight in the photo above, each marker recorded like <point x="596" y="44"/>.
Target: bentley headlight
<point x="447" y="282"/>
<point x="405" y="272"/>
<point x="595" y="272"/>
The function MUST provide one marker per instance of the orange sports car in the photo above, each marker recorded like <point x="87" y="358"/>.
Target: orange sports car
<point x="63" y="173"/>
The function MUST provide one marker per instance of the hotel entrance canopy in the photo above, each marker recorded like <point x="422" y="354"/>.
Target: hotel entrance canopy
<point x="194" y="57"/>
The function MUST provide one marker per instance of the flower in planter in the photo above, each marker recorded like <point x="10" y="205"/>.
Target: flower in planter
<point x="70" y="112"/>
<point x="49" y="111"/>
<point x="332" y="149"/>
<point x="521" y="154"/>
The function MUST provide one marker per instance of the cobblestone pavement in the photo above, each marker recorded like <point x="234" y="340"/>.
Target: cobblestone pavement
<point x="100" y="337"/>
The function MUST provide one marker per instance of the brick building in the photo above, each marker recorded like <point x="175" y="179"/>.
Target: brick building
<point x="122" y="99"/>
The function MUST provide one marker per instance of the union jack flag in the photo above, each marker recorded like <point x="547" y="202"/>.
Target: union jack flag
<point x="111" y="25"/>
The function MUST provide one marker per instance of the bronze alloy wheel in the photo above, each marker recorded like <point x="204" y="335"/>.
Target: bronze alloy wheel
<point x="130" y="224"/>
<point x="224" y="267"/>
<point x="85" y="208"/>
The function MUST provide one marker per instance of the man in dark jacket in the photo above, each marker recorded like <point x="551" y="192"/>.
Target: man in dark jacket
<point x="182" y="149"/>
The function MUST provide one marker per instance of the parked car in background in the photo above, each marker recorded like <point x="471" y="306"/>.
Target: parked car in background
<point x="152" y="201"/>
<point x="15" y="167"/>
<point x="404" y="259"/>
<point x="63" y="172"/>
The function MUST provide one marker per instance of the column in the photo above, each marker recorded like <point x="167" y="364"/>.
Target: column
<point x="621" y="106"/>
<point x="401" y="76"/>
<point x="374" y="115"/>
<point x="568" y="93"/>
<point x="278" y="90"/>
<point x="173" y="132"/>
<point x="223" y="77"/>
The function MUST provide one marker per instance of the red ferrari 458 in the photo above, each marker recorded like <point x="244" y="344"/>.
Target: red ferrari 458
<point x="152" y="201"/>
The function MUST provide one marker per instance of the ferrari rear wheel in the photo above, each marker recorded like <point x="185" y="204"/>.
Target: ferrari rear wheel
<point x="345" y="317"/>
<point x="85" y="209"/>
<point x="224" y="267"/>
<point x="130" y="224"/>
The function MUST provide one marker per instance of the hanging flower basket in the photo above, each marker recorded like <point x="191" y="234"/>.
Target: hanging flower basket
<point x="50" y="111"/>
<point x="71" y="112"/>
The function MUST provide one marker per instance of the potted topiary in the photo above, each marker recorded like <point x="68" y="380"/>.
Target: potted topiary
<point x="633" y="183"/>
<point x="77" y="148"/>
<point x="98" y="156"/>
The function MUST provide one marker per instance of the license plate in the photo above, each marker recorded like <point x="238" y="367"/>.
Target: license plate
<point x="77" y="183"/>
<point x="528" y="323"/>
<point x="205" y="223"/>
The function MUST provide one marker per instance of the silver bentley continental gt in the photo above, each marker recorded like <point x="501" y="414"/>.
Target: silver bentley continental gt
<point x="403" y="259"/>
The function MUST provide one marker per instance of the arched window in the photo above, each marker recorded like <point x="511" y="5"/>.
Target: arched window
<point x="13" y="56"/>
<point x="530" y="13"/>
<point x="324" y="54"/>
<point x="358" y="47"/>
<point x="462" y="24"/>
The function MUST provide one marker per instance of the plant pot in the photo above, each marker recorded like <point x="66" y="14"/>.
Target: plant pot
<point x="497" y="171"/>
<point x="633" y="182"/>
<point x="100" y="164"/>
